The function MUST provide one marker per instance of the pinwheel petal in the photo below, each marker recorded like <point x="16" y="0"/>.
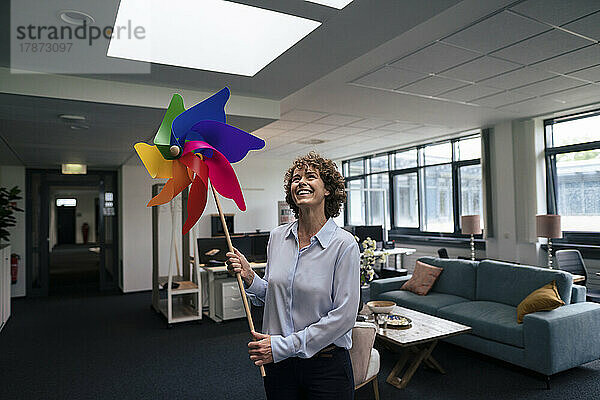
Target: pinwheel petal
<point x="220" y="172"/>
<point x="174" y="186"/>
<point x="153" y="160"/>
<point x="196" y="202"/>
<point x="230" y="141"/>
<point x="164" y="138"/>
<point x="212" y="108"/>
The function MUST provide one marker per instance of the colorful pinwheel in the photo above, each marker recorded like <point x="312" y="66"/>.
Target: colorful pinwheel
<point x="194" y="146"/>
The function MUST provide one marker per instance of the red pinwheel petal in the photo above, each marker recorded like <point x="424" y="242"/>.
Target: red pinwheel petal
<point x="196" y="202"/>
<point x="174" y="186"/>
<point x="220" y="172"/>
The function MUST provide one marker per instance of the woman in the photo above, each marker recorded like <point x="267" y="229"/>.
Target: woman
<point x="310" y="290"/>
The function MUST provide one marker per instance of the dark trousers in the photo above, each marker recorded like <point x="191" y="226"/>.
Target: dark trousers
<point x="327" y="375"/>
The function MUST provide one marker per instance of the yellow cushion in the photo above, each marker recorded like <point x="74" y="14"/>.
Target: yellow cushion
<point x="545" y="298"/>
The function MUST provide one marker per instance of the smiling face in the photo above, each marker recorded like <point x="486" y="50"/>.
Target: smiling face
<point x="307" y="188"/>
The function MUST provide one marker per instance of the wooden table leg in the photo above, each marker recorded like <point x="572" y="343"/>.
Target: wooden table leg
<point x="421" y="355"/>
<point x="430" y="362"/>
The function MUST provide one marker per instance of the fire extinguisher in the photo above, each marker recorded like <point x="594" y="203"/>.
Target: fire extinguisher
<point x="14" y="267"/>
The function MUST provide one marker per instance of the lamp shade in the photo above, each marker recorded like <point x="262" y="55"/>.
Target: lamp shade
<point x="470" y="225"/>
<point x="548" y="226"/>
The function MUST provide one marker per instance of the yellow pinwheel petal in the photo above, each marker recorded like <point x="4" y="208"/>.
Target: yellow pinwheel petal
<point x="154" y="162"/>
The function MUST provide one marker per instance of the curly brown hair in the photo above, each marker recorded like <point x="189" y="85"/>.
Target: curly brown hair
<point x="333" y="180"/>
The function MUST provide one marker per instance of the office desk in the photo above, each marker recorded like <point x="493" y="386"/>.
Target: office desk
<point x="220" y="273"/>
<point x="397" y="251"/>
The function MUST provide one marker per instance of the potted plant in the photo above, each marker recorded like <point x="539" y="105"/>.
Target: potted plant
<point x="8" y="206"/>
<point x="367" y="260"/>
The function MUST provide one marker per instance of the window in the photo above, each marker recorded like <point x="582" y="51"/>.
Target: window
<point x="430" y="187"/>
<point x="573" y="170"/>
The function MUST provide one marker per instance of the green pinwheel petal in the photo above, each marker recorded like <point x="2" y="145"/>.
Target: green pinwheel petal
<point x="162" y="140"/>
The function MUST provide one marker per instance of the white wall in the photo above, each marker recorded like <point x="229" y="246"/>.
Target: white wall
<point x="11" y="176"/>
<point x="262" y="184"/>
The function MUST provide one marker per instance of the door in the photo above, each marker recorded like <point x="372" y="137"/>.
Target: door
<point x="65" y="220"/>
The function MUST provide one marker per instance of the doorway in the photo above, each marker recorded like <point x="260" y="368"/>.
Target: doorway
<point x="72" y="240"/>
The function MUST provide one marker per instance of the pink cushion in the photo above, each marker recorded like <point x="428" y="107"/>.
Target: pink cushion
<point x="422" y="279"/>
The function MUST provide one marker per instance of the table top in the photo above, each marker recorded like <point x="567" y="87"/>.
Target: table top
<point x="395" y="250"/>
<point x="425" y="328"/>
<point x="223" y="268"/>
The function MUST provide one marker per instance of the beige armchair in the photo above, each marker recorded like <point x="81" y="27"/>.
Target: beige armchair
<point x="365" y="359"/>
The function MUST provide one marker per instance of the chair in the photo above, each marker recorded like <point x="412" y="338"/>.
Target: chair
<point x="571" y="261"/>
<point x="443" y="253"/>
<point x="365" y="359"/>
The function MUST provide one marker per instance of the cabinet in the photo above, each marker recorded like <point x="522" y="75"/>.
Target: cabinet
<point x="4" y="284"/>
<point x="229" y="303"/>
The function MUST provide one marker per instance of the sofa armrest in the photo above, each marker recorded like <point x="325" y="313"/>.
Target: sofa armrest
<point x="578" y="294"/>
<point x="385" y="285"/>
<point x="562" y="338"/>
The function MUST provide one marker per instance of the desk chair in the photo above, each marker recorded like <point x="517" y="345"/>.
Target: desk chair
<point x="571" y="261"/>
<point x="365" y="359"/>
<point x="443" y="253"/>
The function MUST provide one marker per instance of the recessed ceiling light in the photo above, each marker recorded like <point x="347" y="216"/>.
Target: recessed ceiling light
<point x="78" y="127"/>
<point x="339" y="4"/>
<point x="311" y="141"/>
<point x="75" y="17"/>
<point x="214" y="35"/>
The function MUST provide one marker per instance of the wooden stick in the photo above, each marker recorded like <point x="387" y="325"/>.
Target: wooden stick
<point x="237" y="275"/>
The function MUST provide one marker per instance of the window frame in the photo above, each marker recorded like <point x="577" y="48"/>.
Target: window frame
<point x="550" y="153"/>
<point x="419" y="169"/>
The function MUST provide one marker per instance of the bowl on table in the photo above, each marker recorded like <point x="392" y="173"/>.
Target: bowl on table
<point x="381" y="306"/>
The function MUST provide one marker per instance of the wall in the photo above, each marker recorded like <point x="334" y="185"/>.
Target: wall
<point x="15" y="176"/>
<point x="262" y="184"/>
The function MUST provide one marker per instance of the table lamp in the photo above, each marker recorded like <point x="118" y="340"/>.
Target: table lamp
<point x="548" y="226"/>
<point x="471" y="225"/>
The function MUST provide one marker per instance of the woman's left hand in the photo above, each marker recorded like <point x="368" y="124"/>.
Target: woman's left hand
<point x="260" y="350"/>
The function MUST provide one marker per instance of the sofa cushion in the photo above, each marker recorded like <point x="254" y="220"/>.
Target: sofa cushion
<point x="545" y="298"/>
<point x="422" y="279"/>
<point x="458" y="278"/>
<point x="490" y="320"/>
<point x="428" y="304"/>
<point x="510" y="283"/>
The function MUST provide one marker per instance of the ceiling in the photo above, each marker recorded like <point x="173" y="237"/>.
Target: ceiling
<point x="376" y="75"/>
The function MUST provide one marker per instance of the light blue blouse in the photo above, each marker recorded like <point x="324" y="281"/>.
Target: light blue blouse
<point x="310" y="296"/>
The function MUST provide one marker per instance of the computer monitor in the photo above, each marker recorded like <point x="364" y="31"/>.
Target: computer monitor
<point x="244" y="245"/>
<point x="209" y="245"/>
<point x="375" y="232"/>
<point x="259" y="246"/>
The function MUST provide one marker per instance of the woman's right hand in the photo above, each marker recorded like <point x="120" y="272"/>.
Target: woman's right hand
<point x="237" y="263"/>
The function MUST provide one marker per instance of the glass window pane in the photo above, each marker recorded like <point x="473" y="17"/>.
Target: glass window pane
<point x="406" y="201"/>
<point x="356" y="202"/>
<point x="468" y="149"/>
<point x="378" y="206"/>
<point x="578" y="190"/>
<point x="438" y="153"/>
<point x="577" y="131"/>
<point x="405" y="159"/>
<point x="357" y="167"/>
<point x="437" y="205"/>
<point x="345" y="169"/>
<point x="379" y="163"/>
<point x="470" y="191"/>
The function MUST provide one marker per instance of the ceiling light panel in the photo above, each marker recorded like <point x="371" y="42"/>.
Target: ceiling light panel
<point x="211" y="35"/>
<point x="339" y="4"/>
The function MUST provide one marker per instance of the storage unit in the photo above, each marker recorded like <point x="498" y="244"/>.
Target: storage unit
<point x="229" y="303"/>
<point x="4" y="284"/>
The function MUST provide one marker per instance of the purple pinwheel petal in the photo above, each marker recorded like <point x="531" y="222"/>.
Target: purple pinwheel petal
<point x="230" y="141"/>
<point x="212" y="108"/>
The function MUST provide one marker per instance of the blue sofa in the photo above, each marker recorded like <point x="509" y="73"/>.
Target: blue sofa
<point x="484" y="295"/>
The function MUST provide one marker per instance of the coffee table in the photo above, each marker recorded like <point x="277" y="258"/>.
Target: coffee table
<point x="417" y="343"/>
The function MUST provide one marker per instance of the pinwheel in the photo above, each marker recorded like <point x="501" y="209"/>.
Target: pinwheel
<point x="196" y="146"/>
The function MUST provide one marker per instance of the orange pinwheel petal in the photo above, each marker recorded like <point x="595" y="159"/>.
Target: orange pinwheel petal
<point x="174" y="186"/>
